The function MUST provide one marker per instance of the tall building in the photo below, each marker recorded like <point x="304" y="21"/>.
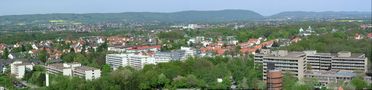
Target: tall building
<point x="299" y="62"/>
<point x="74" y="69"/>
<point x="343" y="60"/>
<point x="19" y="68"/>
<point x="318" y="61"/>
<point x="132" y="60"/>
<point x="292" y="62"/>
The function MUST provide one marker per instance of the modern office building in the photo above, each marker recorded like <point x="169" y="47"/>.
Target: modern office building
<point x="19" y="68"/>
<point x="74" y="69"/>
<point x="318" y="61"/>
<point x="333" y="76"/>
<point x="132" y="60"/>
<point x="292" y="62"/>
<point x="343" y="60"/>
<point x="298" y="63"/>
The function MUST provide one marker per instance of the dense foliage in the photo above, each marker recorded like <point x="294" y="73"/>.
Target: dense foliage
<point x="192" y="73"/>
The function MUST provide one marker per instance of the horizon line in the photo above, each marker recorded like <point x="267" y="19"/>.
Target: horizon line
<point x="165" y="12"/>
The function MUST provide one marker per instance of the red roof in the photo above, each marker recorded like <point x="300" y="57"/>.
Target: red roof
<point x="369" y="35"/>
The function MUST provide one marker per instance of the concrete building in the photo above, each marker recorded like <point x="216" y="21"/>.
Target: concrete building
<point x="299" y="62"/>
<point x="350" y="61"/>
<point x="132" y="60"/>
<point x="318" y="61"/>
<point x="292" y="62"/>
<point x="18" y="68"/>
<point x="74" y="69"/>
<point x="163" y="57"/>
<point x="343" y="60"/>
<point x="326" y="77"/>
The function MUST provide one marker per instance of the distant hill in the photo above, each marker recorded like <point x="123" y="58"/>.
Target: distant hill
<point x="321" y="15"/>
<point x="175" y="17"/>
<point x="184" y="16"/>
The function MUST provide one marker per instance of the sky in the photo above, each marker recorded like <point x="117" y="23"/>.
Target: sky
<point x="264" y="7"/>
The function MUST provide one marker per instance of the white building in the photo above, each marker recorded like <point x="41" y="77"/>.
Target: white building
<point x="132" y="60"/>
<point x="18" y="68"/>
<point x="117" y="49"/>
<point x="74" y="69"/>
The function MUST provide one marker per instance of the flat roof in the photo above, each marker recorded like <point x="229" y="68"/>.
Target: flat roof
<point x="353" y="55"/>
<point x="85" y="68"/>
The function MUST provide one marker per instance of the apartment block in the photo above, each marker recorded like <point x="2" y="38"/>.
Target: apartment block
<point x="291" y="62"/>
<point x="132" y="60"/>
<point x="343" y="60"/>
<point x="333" y="76"/>
<point x="18" y="68"/>
<point x="74" y="69"/>
<point x="298" y="63"/>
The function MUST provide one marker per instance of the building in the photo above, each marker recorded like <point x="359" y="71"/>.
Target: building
<point x="274" y="78"/>
<point x="182" y="54"/>
<point x="319" y="61"/>
<point x="343" y="60"/>
<point x="292" y="62"/>
<point x="74" y="69"/>
<point x="326" y="77"/>
<point x="19" y="68"/>
<point x="132" y="60"/>
<point x="306" y="32"/>
<point x="299" y="62"/>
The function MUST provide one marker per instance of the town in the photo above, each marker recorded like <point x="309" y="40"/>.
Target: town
<point x="91" y="57"/>
<point x="185" y="45"/>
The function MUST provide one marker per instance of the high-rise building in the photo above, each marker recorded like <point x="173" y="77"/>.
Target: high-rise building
<point x="291" y="62"/>
<point x="343" y="60"/>
<point x="299" y="62"/>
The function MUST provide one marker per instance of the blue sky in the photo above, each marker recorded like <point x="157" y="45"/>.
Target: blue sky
<point x="264" y="7"/>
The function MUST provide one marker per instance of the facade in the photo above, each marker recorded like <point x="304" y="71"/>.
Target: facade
<point x="18" y="68"/>
<point x="132" y="60"/>
<point x="333" y="76"/>
<point x="298" y="63"/>
<point x="338" y="61"/>
<point x="292" y="62"/>
<point x="74" y="69"/>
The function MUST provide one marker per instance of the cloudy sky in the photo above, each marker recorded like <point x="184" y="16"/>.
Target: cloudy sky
<point x="264" y="7"/>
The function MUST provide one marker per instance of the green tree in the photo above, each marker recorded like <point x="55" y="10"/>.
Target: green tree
<point x="5" y="53"/>
<point x="43" y="56"/>
<point x="359" y="83"/>
<point x="162" y="81"/>
<point x="106" y="69"/>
